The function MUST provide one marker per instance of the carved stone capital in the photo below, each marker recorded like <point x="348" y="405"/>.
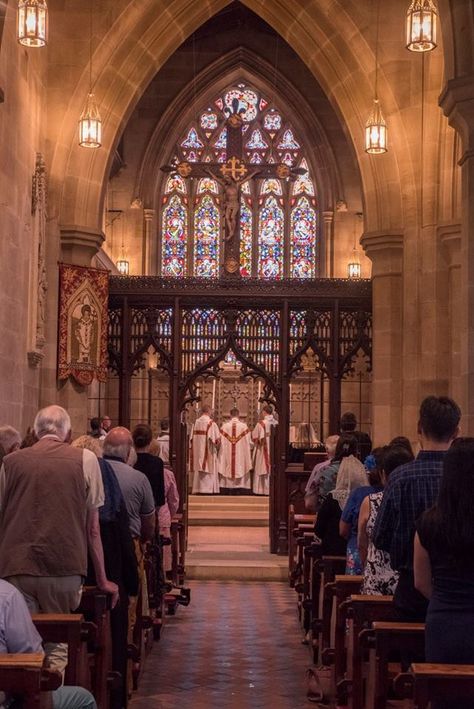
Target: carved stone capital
<point x="149" y="214"/>
<point x="449" y="236"/>
<point x="385" y="250"/>
<point x="35" y="358"/>
<point x="79" y="244"/>
<point x="457" y="102"/>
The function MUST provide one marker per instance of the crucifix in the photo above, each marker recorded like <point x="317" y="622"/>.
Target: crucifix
<point x="230" y="175"/>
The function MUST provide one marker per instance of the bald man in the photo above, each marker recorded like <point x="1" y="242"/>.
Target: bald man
<point x="140" y="504"/>
<point x="135" y="487"/>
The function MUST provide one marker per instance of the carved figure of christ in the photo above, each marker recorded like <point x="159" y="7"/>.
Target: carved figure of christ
<point x="230" y="175"/>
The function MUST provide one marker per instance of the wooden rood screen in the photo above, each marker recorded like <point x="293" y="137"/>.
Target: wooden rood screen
<point x="307" y="344"/>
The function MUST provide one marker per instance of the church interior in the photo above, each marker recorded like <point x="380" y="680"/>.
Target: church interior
<point x="243" y="224"/>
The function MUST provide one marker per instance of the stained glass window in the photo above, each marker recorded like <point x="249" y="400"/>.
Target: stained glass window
<point x="174" y="239"/>
<point x="278" y="219"/>
<point x="303" y="183"/>
<point x="208" y="121"/>
<point x="303" y="230"/>
<point x="288" y="141"/>
<point x="272" y="121"/>
<point x="257" y="141"/>
<point x="270" y="240"/>
<point x="175" y="183"/>
<point x="271" y="185"/>
<point x="206" y="238"/>
<point x="207" y="184"/>
<point x="246" y="101"/>
<point x="192" y="140"/>
<point x="246" y="234"/>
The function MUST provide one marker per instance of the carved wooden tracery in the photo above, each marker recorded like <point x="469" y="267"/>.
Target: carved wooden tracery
<point x="192" y="325"/>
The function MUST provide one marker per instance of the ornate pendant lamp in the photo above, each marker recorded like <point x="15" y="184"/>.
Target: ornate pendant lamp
<point x="376" y="131"/>
<point x="122" y="264"/>
<point x="422" y="25"/>
<point x="376" y="128"/>
<point x="32" y="25"/>
<point x="90" y="124"/>
<point x="353" y="267"/>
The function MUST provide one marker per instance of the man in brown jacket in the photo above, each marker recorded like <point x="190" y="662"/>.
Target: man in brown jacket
<point x="49" y="500"/>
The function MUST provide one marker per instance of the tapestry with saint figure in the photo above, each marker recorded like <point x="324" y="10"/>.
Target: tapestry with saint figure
<point x="83" y="316"/>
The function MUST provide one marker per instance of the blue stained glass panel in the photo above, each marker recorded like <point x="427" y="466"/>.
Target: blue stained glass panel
<point x="245" y="239"/>
<point x="302" y="240"/>
<point x="270" y="240"/>
<point x="175" y="233"/>
<point x="206" y="238"/>
<point x="192" y="140"/>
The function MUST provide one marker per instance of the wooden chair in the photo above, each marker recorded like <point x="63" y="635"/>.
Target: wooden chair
<point x="73" y="630"/>
<point x="24" y="675"/>
<point x="361" y="612"/>
<point x="448" y="682"/>
<point x="385" y="641"/>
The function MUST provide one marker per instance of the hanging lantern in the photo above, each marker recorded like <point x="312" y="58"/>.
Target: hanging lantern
<point x="422" y="20"/>
<point x="90" y="125"/>
<point x="353" y="267"/>
<point x="33" y="23"/>
<point x="123" y="266"/>
<point x="376" y="132"/>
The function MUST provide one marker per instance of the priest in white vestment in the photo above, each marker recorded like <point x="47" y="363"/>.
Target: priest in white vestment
<point x="204" y="444"/>
<point x="235" y="460"/>
<point x="261" y="437"/>
<point x="163" y="441"/>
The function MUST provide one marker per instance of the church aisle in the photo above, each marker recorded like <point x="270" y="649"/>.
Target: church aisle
<point x="237" y="645"/>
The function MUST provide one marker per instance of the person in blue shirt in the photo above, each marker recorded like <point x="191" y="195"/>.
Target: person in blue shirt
<point x="19" y="635"/>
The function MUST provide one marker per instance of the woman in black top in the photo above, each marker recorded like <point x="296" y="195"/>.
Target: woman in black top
<point x="148" y="464"/>
<point x="444" y="566"/>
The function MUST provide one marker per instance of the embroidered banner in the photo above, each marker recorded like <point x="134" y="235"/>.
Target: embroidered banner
<point x="83" y="318"/>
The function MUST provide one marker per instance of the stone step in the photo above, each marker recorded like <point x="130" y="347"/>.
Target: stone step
<point x="255" y="569"/>
<point x="224" y="509"/>
<point x="229" y="500"/>
<point x="228" y="518"/>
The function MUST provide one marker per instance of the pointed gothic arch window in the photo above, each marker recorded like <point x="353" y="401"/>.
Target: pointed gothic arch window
<point x="278" y="219"/>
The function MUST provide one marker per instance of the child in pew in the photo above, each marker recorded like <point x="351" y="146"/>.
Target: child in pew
<point x="350" y="514"/>
<point x="444" y="566"/>
<point x="19" y="635"/>
<point x="379" y="577"/>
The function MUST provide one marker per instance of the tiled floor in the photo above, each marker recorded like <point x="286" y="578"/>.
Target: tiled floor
<point x="237" y="646"/>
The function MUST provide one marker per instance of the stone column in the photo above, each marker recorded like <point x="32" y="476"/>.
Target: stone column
<point x="78" y="246"/>
<point x="385" y="250"/>
<point x="328" y="223"/>
<point x="450" y="241"/>
<point x="457" y="102"/>
<point x="149" y="216"/>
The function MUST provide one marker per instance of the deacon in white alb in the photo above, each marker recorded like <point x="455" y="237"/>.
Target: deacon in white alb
<point x="262" y="454"/>
<point x="235" y="459"/>
<point x="204" y="444"/>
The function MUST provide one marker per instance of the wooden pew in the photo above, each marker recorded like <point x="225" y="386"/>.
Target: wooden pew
<point x="295" y="528"/>
<point x="24" y="675"/>
<point x="328" y="567"/>
<point x="442" y="682"/>
<point x="96" y="605"/>
<point x="386" y="640"/>
<point x="178" y="550"/>
<point x="344" y="587"/>
<point x="361" y="611"/>
<point x="76" y="632"/>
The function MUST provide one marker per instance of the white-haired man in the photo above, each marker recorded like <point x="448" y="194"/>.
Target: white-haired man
<point x="10" y="439"/>
<point x="49" y="500"/>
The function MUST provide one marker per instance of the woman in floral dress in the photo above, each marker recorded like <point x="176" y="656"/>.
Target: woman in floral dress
<point x="379" y="577"/>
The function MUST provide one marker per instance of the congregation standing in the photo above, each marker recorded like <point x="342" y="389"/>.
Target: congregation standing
<point x="74" y="512"/>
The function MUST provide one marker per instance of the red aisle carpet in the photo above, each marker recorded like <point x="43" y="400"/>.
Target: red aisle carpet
<point x="237" y="646"/>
